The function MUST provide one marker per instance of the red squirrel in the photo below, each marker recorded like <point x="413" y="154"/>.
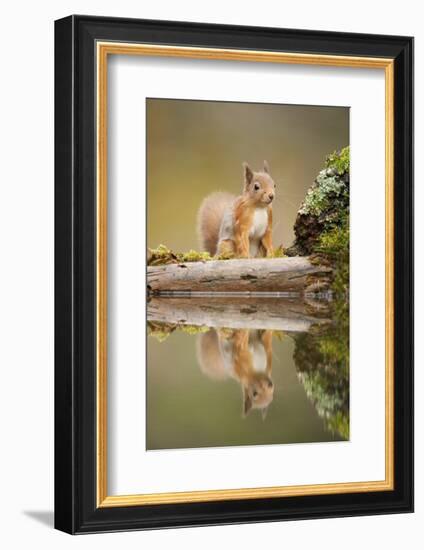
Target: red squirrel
<point x="244" y="355"/>
<point x="240" y="226"/>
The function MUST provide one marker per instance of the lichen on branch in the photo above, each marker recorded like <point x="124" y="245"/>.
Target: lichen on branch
<point x="322" y="223"/>
<point x="339" y="161"/>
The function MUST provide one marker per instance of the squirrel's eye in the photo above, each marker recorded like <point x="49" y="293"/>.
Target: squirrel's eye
<point x="255" y="394"/>
<point x="257" y="186"/>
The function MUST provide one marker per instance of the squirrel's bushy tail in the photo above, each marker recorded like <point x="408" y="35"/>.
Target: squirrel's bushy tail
<point x="209" y="356"/>
<point x="209" y="219"/>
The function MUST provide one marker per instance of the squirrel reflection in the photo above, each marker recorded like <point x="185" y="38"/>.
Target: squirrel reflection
<point x="242" y="354"/>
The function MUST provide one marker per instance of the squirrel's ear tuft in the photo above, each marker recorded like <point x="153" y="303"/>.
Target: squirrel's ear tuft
<point x="266" y="167"/>
<point x="247" y="403"/>
<point x="248" y="173"/>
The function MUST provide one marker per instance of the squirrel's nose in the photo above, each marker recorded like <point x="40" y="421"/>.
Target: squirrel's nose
<point x="271" y="196"/>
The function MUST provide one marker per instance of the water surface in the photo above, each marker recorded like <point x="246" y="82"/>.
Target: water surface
<point x="214" y="386"/>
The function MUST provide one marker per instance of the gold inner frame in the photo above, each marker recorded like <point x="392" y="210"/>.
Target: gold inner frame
<point x="104" y="49"/>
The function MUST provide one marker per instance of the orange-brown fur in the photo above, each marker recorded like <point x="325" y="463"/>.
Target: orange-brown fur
<point x="257" y="387"/>
<point x="258" y="193"/>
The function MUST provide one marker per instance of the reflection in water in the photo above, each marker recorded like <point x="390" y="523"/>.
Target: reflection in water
<point x="293" y="384"/>
<point x="322" y="362"/>
<point x="246" y="356"/>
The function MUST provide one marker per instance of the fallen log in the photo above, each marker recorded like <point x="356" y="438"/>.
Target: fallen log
<point x="286" y="275"/>
<point x="289" y="315"/>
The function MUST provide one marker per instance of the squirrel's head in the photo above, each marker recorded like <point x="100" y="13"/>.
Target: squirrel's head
<point x="259" y="186"/>
<point x="258" y="394"/>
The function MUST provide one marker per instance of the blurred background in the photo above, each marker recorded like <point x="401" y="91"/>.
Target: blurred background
<point x="197" y="147"/>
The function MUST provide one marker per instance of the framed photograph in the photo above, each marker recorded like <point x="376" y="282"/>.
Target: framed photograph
<point x="234" y="274"/>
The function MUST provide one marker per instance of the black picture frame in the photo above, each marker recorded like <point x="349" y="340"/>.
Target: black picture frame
<point x="76" y="510"/>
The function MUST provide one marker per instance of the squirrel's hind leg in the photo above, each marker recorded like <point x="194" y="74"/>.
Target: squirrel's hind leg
<point x="226" y="248"/>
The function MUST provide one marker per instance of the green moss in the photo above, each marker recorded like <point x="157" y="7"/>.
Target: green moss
<point x="339" y="423"/>
<point x="161" y="255"/>
<point x="225" y="256"/>
<point x="278" y="252"/>
<point x="193" y="329"/>
<point x="193" y="256"/>
<point x="333" y="246"/>
<point x="161" y="331"/>
<point x="321" y="357"/>
<point x="279" y="334"/>
<point x="334" y="349"/>
<point x="339" y="161"/>
<point x="322" y="364"/>
<point x="325" y="205"/>
<point x="335" y="240"/>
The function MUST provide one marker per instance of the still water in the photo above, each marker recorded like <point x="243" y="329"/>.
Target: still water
<point x="236" y="373"/>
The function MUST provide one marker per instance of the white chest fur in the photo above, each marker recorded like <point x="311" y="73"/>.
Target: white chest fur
<point x="259" y="361"/>
<point x="257" y="231"/>
<point x="260" y="222"/>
